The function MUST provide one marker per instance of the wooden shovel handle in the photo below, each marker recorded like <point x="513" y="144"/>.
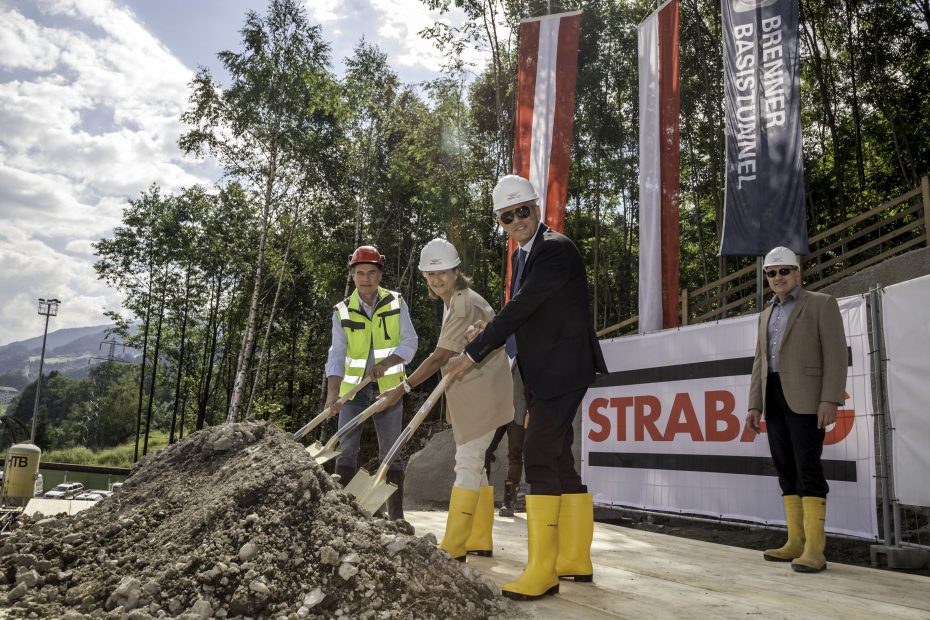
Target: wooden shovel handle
<point x="408" y="432"/>
<point x="326" y="413"/>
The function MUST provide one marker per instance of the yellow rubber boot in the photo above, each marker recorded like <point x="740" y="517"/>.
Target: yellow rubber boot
<point x="481" y="541"/>
<point x="815" y="514"/>
<point x="462" y="504"/>
<point x="576" y="531"/>
<point x="794" y="519"/>
<point x="542" y="524"/>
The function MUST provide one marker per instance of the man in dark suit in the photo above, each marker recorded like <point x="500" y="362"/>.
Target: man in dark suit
<point x="547" y="325"/>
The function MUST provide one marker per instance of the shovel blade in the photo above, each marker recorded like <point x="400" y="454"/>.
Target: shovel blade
<point x="378" y="494"/>
<point x="321" y="454"/>
<point x="360" y="484"/>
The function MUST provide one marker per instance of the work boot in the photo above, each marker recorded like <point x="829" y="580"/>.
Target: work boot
<point x="542" y="525"/>
<point x="345" y="473"/>
<point x="395" y="503"/>
<point x="510" y="498"/>
<point x="794" y="519"/>
<point x="462" y="505"/>
<point x="815" y="514"/>
<point x="480" y="541"/>
<point x="576" y="532"/>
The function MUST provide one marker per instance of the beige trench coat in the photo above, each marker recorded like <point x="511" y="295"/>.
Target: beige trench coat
<point x="482" y="398"/>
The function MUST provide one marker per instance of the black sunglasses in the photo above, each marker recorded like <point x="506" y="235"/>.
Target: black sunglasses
<point x="521" y="212"/>
<point x="771" y="273"/>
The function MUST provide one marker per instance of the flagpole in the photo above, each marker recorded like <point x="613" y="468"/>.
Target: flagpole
<point x="758" y="284"/>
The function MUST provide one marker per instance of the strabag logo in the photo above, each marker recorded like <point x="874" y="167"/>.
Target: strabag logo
<point x="744" y="6"/>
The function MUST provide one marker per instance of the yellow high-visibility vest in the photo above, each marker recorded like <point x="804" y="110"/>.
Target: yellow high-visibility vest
<point x="382" y="332"/>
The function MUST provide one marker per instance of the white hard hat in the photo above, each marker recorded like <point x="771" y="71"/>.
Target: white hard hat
<point x="438" y="255"/>
<point x="512" y="190"/>
<point x="781" y="256"/>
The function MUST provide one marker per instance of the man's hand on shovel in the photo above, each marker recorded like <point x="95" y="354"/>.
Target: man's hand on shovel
<point x="334" y="406"/>
<point x="377" y="371"/>
<point x="474" y="330"/>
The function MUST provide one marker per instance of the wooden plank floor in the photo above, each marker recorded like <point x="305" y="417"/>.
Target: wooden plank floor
<point x="641" y="574"/>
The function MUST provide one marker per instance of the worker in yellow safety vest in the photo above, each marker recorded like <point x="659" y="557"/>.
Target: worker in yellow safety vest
<point x="372" y="335"/>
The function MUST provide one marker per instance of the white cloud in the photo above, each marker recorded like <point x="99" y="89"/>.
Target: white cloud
<point x="394" y="25"/>
<point x="90" y="103"/>
<point x="89" y="117"/>
<point x="23" y="44"/>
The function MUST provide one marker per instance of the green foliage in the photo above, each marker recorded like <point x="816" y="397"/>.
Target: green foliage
<point x="235" y="285"/>
<point x="117" y="456"/>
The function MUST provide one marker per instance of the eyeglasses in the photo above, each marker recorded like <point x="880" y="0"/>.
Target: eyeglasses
<point x="521" y="212"/>
<point x="771" y="273"/>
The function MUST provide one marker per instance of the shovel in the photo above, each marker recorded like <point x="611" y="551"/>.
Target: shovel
<point x="326" y="413"/>
<point x="322" y="453"/>
<point x="372" y="491"/>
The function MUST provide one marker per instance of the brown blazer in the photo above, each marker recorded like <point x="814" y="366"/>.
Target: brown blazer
<point x="813" y="358"/>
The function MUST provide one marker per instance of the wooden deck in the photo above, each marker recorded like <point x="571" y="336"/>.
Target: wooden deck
<point x="647" y="575"/>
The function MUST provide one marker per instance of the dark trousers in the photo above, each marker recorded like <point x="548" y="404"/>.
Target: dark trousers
<point x="515" y="434"/>
<point x="796" y="444"/>
<point x="547" y="446"/>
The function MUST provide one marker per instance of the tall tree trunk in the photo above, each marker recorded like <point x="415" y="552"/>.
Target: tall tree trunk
<point x="823" y="83"/>
<point x="212" y="337"/>
<point x="145" y="348"/>
<point x="183" y="412"/>
<point x="274" y="306"/>
<point x="248" y="336"/>
<point x="489" y="17"/>
<point x="148" y="415"/>
<point x="853" y="45"/>
<point x="181" y="352"/>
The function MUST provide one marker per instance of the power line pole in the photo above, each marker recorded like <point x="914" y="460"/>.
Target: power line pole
<point x="47" y="308"/>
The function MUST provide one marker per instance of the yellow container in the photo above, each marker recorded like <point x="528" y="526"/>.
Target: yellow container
<point x="22" y="468"/>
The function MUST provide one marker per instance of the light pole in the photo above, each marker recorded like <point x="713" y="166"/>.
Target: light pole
<point x="47" y="308"/>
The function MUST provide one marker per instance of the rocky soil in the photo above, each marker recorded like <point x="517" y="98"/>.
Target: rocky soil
<point x="236" y="521"/>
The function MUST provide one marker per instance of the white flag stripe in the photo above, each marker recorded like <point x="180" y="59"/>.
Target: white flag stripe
<point x="650" y="192"/>
<point x="544" y="108"/>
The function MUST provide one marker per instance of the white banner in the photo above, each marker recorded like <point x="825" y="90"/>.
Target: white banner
<point x="907" y="342"/>
<point x="665" y="429"/>
<point x="650" y="191"/>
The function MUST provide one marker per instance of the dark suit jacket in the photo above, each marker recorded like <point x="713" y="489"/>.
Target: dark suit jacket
<point x="550" y="315"/>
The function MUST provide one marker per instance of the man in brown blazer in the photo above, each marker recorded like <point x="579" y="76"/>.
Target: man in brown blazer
<point x="798" y="381"/>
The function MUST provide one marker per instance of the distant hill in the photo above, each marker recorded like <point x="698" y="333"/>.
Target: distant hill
<point x="70" y="351"/>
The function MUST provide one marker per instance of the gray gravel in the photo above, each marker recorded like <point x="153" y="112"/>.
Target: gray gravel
<point x="236" y="521"/>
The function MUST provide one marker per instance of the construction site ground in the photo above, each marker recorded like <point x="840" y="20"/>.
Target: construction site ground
<point x="238" y="521"/>
<point x="641" y="574"/>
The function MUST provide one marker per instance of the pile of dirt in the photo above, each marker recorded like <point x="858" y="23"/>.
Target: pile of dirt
<point x="235" y="521"/>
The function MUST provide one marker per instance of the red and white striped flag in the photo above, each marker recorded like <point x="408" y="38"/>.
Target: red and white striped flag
<point x="545" y="111"/>
<point x="659" y="158"/>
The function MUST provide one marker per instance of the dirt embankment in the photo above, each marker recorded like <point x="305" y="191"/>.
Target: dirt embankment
<point x="235" y="521"/>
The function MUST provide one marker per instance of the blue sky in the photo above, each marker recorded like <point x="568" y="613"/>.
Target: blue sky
<point x="90" y="97"/>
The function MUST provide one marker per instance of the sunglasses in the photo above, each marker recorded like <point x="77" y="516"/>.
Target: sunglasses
<point x="521" y="212"/>
<point x="771" y="273"/>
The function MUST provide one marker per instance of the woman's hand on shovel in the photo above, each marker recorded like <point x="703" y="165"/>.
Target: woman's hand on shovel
<point x="393" y="395"/>
<point x="457" y="365"/>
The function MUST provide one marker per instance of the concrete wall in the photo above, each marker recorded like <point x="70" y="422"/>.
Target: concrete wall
<point x="896" y="269"/>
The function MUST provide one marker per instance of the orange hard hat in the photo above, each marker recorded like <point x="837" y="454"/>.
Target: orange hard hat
<point x="366" y="254"/>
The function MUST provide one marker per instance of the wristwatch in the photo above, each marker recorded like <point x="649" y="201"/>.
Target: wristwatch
<point x="407" y="387"/>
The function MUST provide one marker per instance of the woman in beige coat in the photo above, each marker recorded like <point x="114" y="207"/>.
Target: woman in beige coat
<point x="479" y="402"/>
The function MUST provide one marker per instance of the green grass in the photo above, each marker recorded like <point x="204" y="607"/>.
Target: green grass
<point x="118" y="456"/>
